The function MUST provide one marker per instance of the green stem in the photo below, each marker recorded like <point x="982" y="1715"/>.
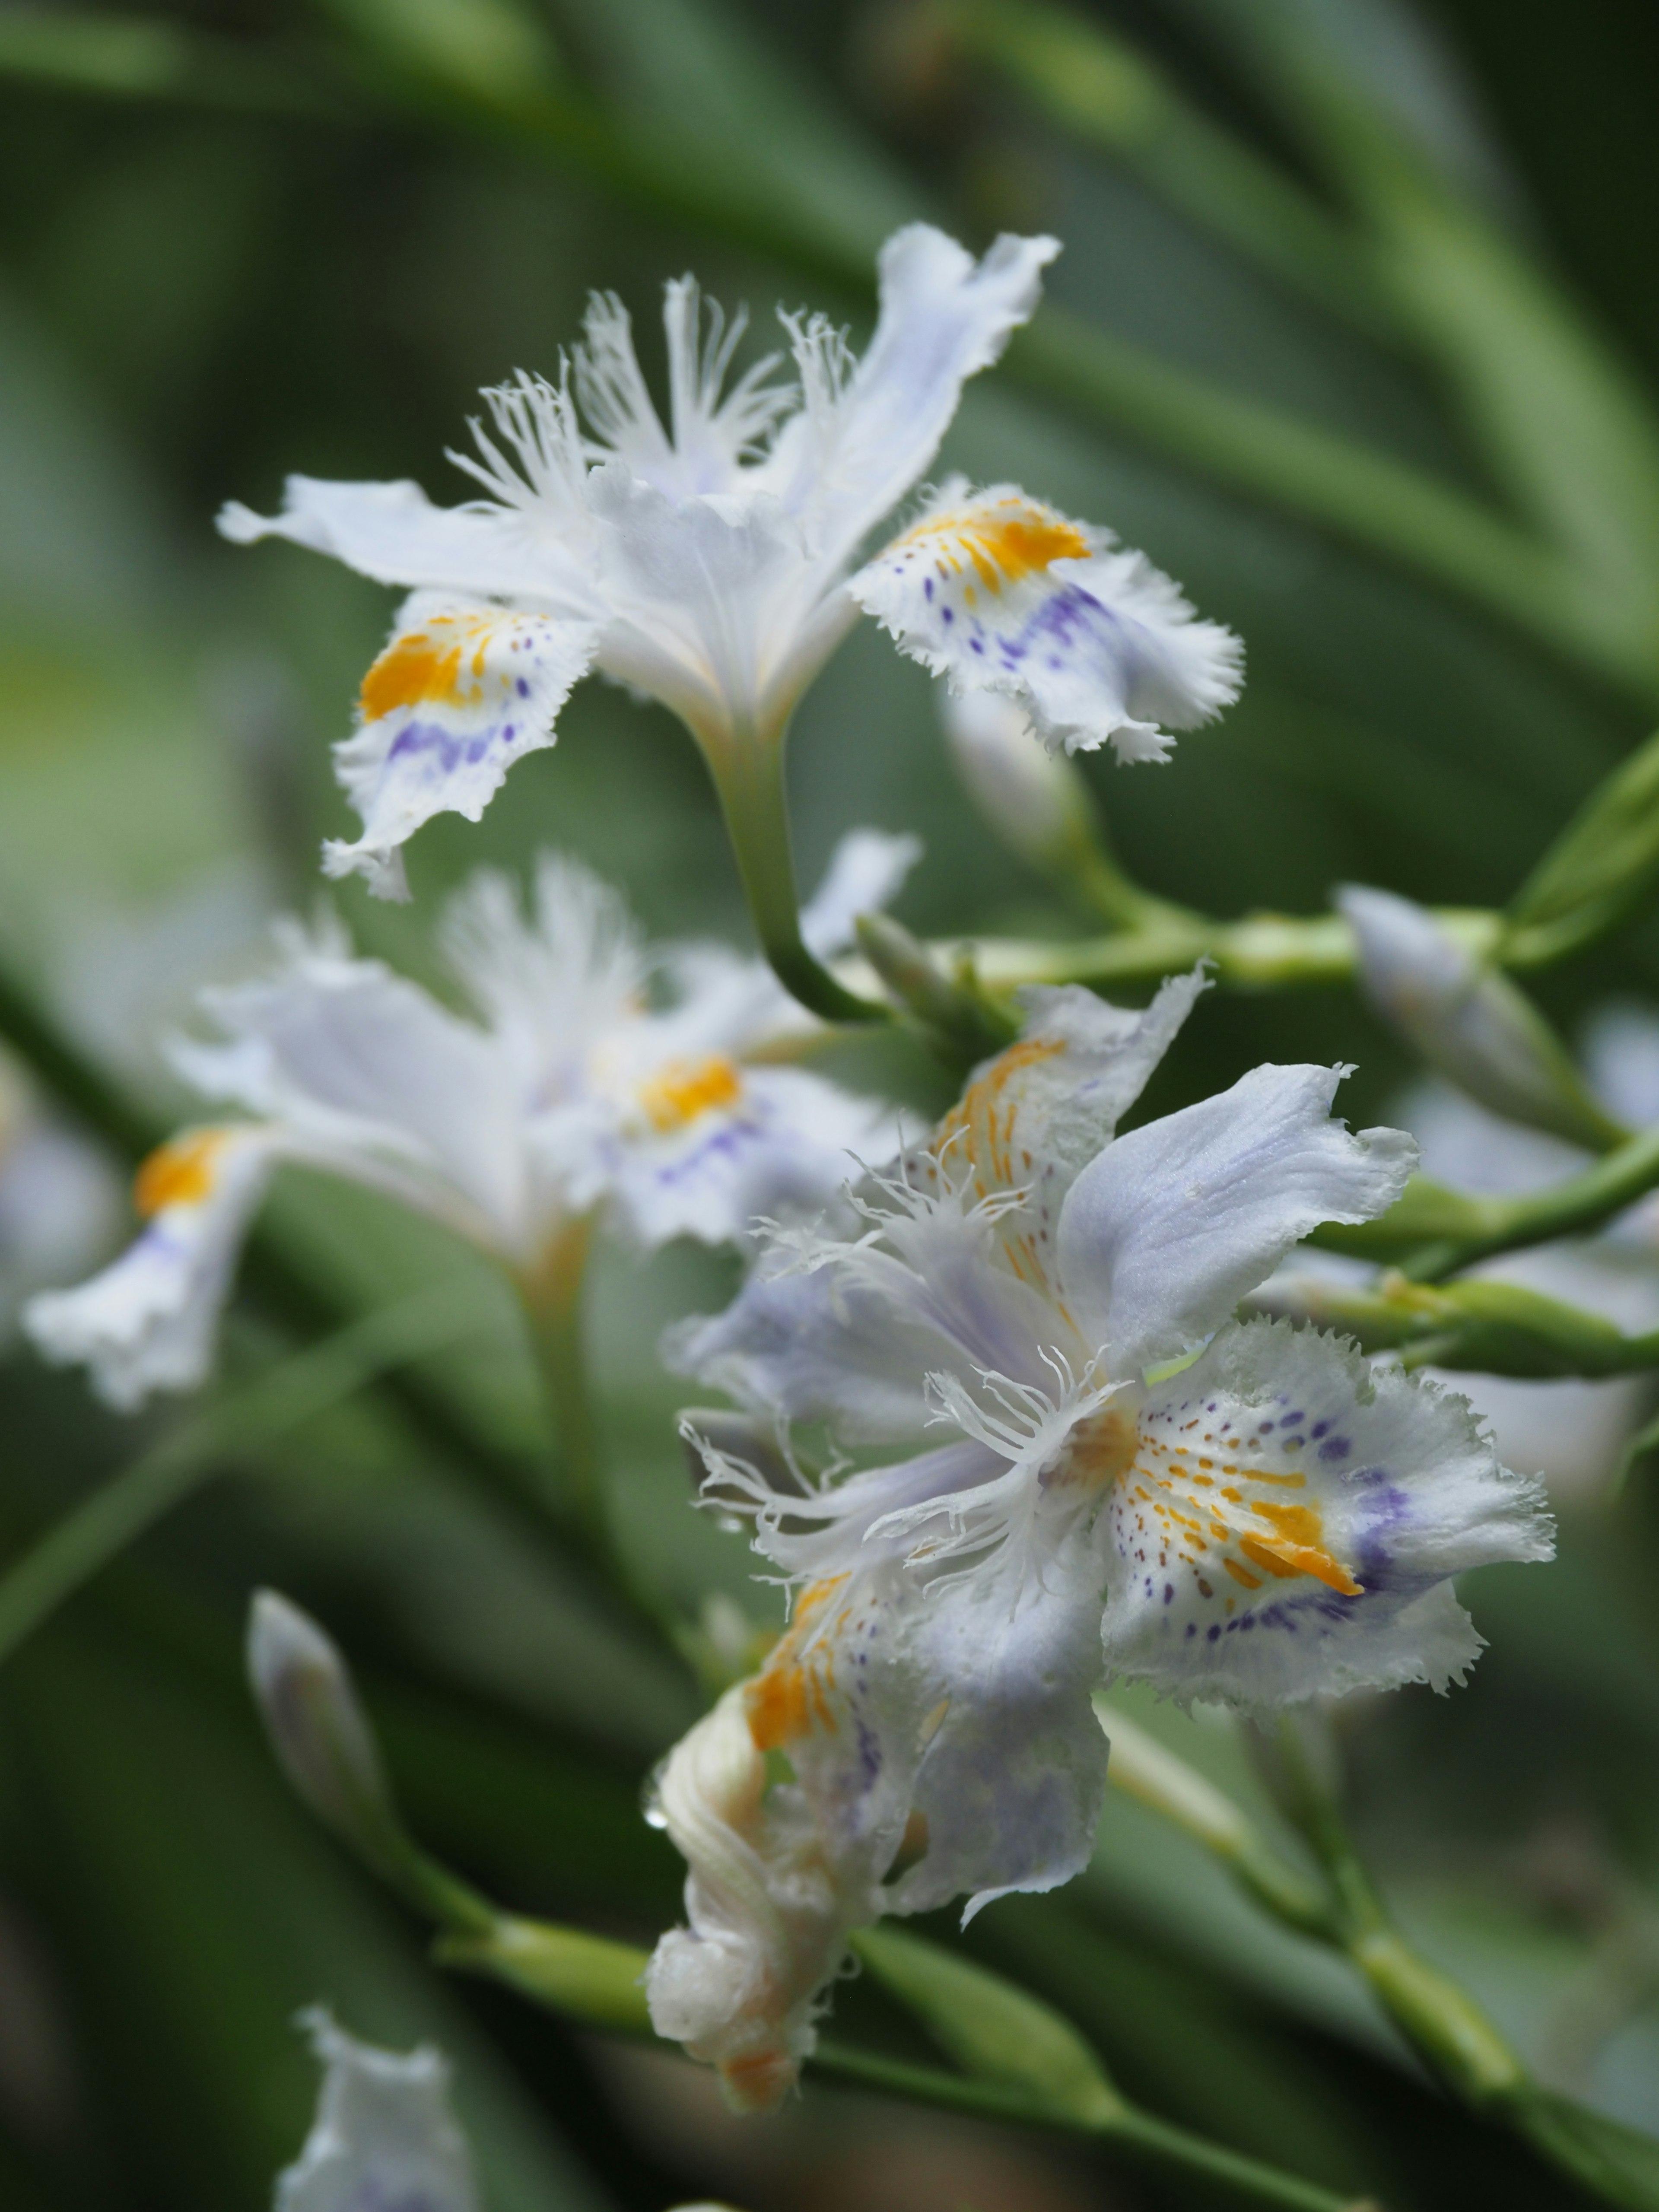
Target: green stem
<point x="747" y="766"/>
<point x="1432" y="1232"/>
<point x="1438" y="2019"/>
<point x="282" y="1400"/>
<point x="1496" y="1327"/>
<point x="551" y="1292"/>
<point x="1151" y="2145"/>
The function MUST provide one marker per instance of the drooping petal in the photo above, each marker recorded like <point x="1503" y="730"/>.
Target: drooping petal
<point x="776" y="1883"/>
<point x="1165" y="1232"/>
<point x="1292" y="1519"/>
<point x="852" y="1334"/>
<point x="373" y="1078"/>
<point x="815" y="1348"/>
<point x="461" y="692"/>
<point x="1008" y="1790"/>
<point x="384" y="2139"/>
<point x="150" y="1320"/>
<point x="996" y="592"/>
<point x="868" y="432"/>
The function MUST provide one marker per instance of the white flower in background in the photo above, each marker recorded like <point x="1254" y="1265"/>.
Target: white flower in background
<point x="1568" y="1431"/>
<point x="710" y="563"/>
<point x="60" y="1204"/>
<point x="573" y="1092"/>
<point x="1468" y="1020"/>
<point x="1125" y="1482"/>
<point x="384" y="2139"/>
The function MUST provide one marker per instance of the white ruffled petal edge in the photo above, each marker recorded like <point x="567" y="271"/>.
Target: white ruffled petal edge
<point x="996" y="592"/>
<point x="1292" y="1522"/>
<point x="150" y="1320"/>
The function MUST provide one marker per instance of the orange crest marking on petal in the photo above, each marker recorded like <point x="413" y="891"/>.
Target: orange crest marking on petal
<point x="1006" y="543"/>
<point x="982" y="1128"/>
<point x="1171" y="1481"/>
<point x="789" y="1698"/>
<point x="686" y="1089"/>
<point x="181" y="1172"/>
<point x="412" y="671"/>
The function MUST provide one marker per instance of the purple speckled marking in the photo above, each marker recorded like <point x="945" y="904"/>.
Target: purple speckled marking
<point x="447" y="751"/>
<point x="1333" y="1449"/>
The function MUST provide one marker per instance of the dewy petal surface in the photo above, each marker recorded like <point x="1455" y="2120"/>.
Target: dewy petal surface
<point x="1163" y="1234"/>
<point x="994" y="591"/>
<point x="1292" y="1521"/>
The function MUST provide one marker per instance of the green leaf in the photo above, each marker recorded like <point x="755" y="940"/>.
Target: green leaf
<point x="992" y="2029"/>
<point x="1601" y="866"/>
<point x="1620" y="2163"/>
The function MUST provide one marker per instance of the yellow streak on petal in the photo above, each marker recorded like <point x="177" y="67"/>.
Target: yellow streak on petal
<point x="1006" y="543"/>
<point x="984" y="1135"/>
<point x="789" y="1697"/>
<point x="685" y="1090"/>
<point x="181" y="1172"/>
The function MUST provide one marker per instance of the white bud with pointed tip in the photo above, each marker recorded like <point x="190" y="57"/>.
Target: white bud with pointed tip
<point x="318" y="1729"/>
<point x="1036" y="801"/>
<point x="1467" y="1020"/>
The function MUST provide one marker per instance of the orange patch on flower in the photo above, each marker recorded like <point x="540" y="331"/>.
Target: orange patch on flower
<point x="181" y="1172"/>
<point x="1297" y="1548"/>
<point x="789" y="1697"/>
<point x="686" y="1089"/>
<point x="1005" y="543"/>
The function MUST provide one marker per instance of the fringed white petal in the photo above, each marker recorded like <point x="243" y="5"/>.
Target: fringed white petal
<point x="1160" y="1237"/>
<point x="461" y="692"/>
<point x="996" y="592"/>
<point x="150" y="1322"/>
<point x="869" y="430"/>
<point x="1292" y="1519"/>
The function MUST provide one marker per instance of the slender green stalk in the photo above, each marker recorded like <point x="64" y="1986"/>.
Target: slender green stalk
<point x="1148" y="2144"/>
<point x="579" y="1496"/>
<point x="1439" y="2019"/>
<point x="747" y="767"/>
<point x="551" y="1294"/>
<point x="1432" y="1232"/>
<point x="282" y="1400"/>
<point x="1495" y="1328"/>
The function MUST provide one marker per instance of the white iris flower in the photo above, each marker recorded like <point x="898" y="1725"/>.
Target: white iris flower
<point x="384" y="2139"/>
<point x="711" y="563"/>
<point x="1125" y="1482"/>
<point x="571" y="1092"/>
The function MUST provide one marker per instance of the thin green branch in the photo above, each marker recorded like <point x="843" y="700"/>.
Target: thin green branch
<point x="1440" y="2021"/>
<point x="280" y="1401"/>
<point x="1432" y="1232"/>
<point x="1492" y="1327"/>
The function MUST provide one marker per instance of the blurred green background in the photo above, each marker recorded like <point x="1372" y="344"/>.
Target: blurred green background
<point x="1355" y="332"/>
